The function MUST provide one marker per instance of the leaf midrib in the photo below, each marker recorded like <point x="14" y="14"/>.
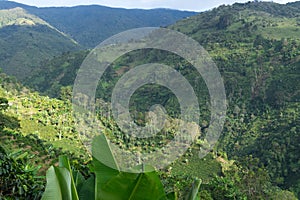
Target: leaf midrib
<point x="135" y="187"/>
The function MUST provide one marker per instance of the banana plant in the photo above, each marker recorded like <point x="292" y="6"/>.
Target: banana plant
<point x="192" y="194"/>
<point x="108" y="183"/>
<point x="60" y="182"/>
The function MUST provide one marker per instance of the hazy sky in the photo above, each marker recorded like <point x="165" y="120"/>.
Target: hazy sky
<point x="196" y="5"/>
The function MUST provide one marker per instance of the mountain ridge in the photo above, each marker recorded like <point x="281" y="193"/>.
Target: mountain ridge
<point x="71" y="20"/>
<point x="63" y="29"/>
<point x="24" y="35"/>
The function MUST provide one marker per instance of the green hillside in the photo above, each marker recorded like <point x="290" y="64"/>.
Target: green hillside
<point x="255" y="43"/>
<point x="256" y="47"/>
<point x="26" y="40"/>
<point x="32" y="140"/>
<point x="90" y="25"/>
<point x="18" y="16"/>
<point x="49" y="32"/>
<point x="102" y="22"/>
<point x="51" y="75"/>
<point x="271" y="20"/>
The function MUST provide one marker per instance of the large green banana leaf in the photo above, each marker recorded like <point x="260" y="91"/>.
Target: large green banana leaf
<point x="59" y="185"/>
<point x="108" y="183"/>
<point x="126" y="186"/>
<point x="115" y="185"/>
<point x="60" y="182"/>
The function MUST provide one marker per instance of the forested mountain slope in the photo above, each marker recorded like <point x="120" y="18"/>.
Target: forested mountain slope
<point x="34" y="131"/>
<point x="256" y="47"/>
<point x="29" y="35"/>
<point x="26" y="40"/>
<point x="102" y="22"/>
<point x="89" y="25"/>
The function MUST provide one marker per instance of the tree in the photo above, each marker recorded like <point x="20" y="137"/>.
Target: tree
<point x="7" y="121"/>
<point x="3" y="103"/>
<point x="225" y="21"/>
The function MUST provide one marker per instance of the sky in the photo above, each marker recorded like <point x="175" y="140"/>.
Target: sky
<point x="192" y="5"/>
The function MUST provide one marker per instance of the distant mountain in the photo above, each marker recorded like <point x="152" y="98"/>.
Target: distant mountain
<point x="10" y="4"/>
<point x="26" y="40"/>
<point x="89" y="25"/>
<point x="294" y="4"/>
<point x="30" y="35"/>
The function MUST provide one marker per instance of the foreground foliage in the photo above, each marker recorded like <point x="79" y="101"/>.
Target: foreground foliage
<point x="108" y="183"/>
<point x="18" y="178"/>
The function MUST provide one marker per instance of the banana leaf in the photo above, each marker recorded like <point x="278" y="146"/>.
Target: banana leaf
<point x="132" y="186"/>
<point x="115" y="185"/>
<point x="87" y="191"/>
<point x="60" y="182"/>
<point x="192" y="194"/>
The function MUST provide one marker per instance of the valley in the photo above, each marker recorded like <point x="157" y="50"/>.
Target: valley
<point x="256" y="47"/>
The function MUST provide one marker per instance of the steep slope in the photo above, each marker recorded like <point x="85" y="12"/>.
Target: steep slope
<point x="47" y="32"/>
<point x="256" y="47"/>
<point x="89" y="25"/>
<point x="50" y="120"/>
<point x="18" y="16"/>
<point x="51" y="75"/>
<point x="255" y="43"/>
<point x="26" y="40"/>
<point x="29" y="136"/>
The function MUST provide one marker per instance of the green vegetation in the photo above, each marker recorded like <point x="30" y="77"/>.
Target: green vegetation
<point x="23" y="35"/>
<point x="256" y="47"/>
<point x="103" y="22"/>
<point x="258" y="55"/>
<point x="52" y="76"/>
<point x="109" y="183"/>
<point x="18" y="16"/>
<point x="18" y="178"/>
<point x="49" y="32"/>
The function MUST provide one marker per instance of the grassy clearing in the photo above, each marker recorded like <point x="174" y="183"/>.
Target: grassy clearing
<point x="192" y="165"/>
